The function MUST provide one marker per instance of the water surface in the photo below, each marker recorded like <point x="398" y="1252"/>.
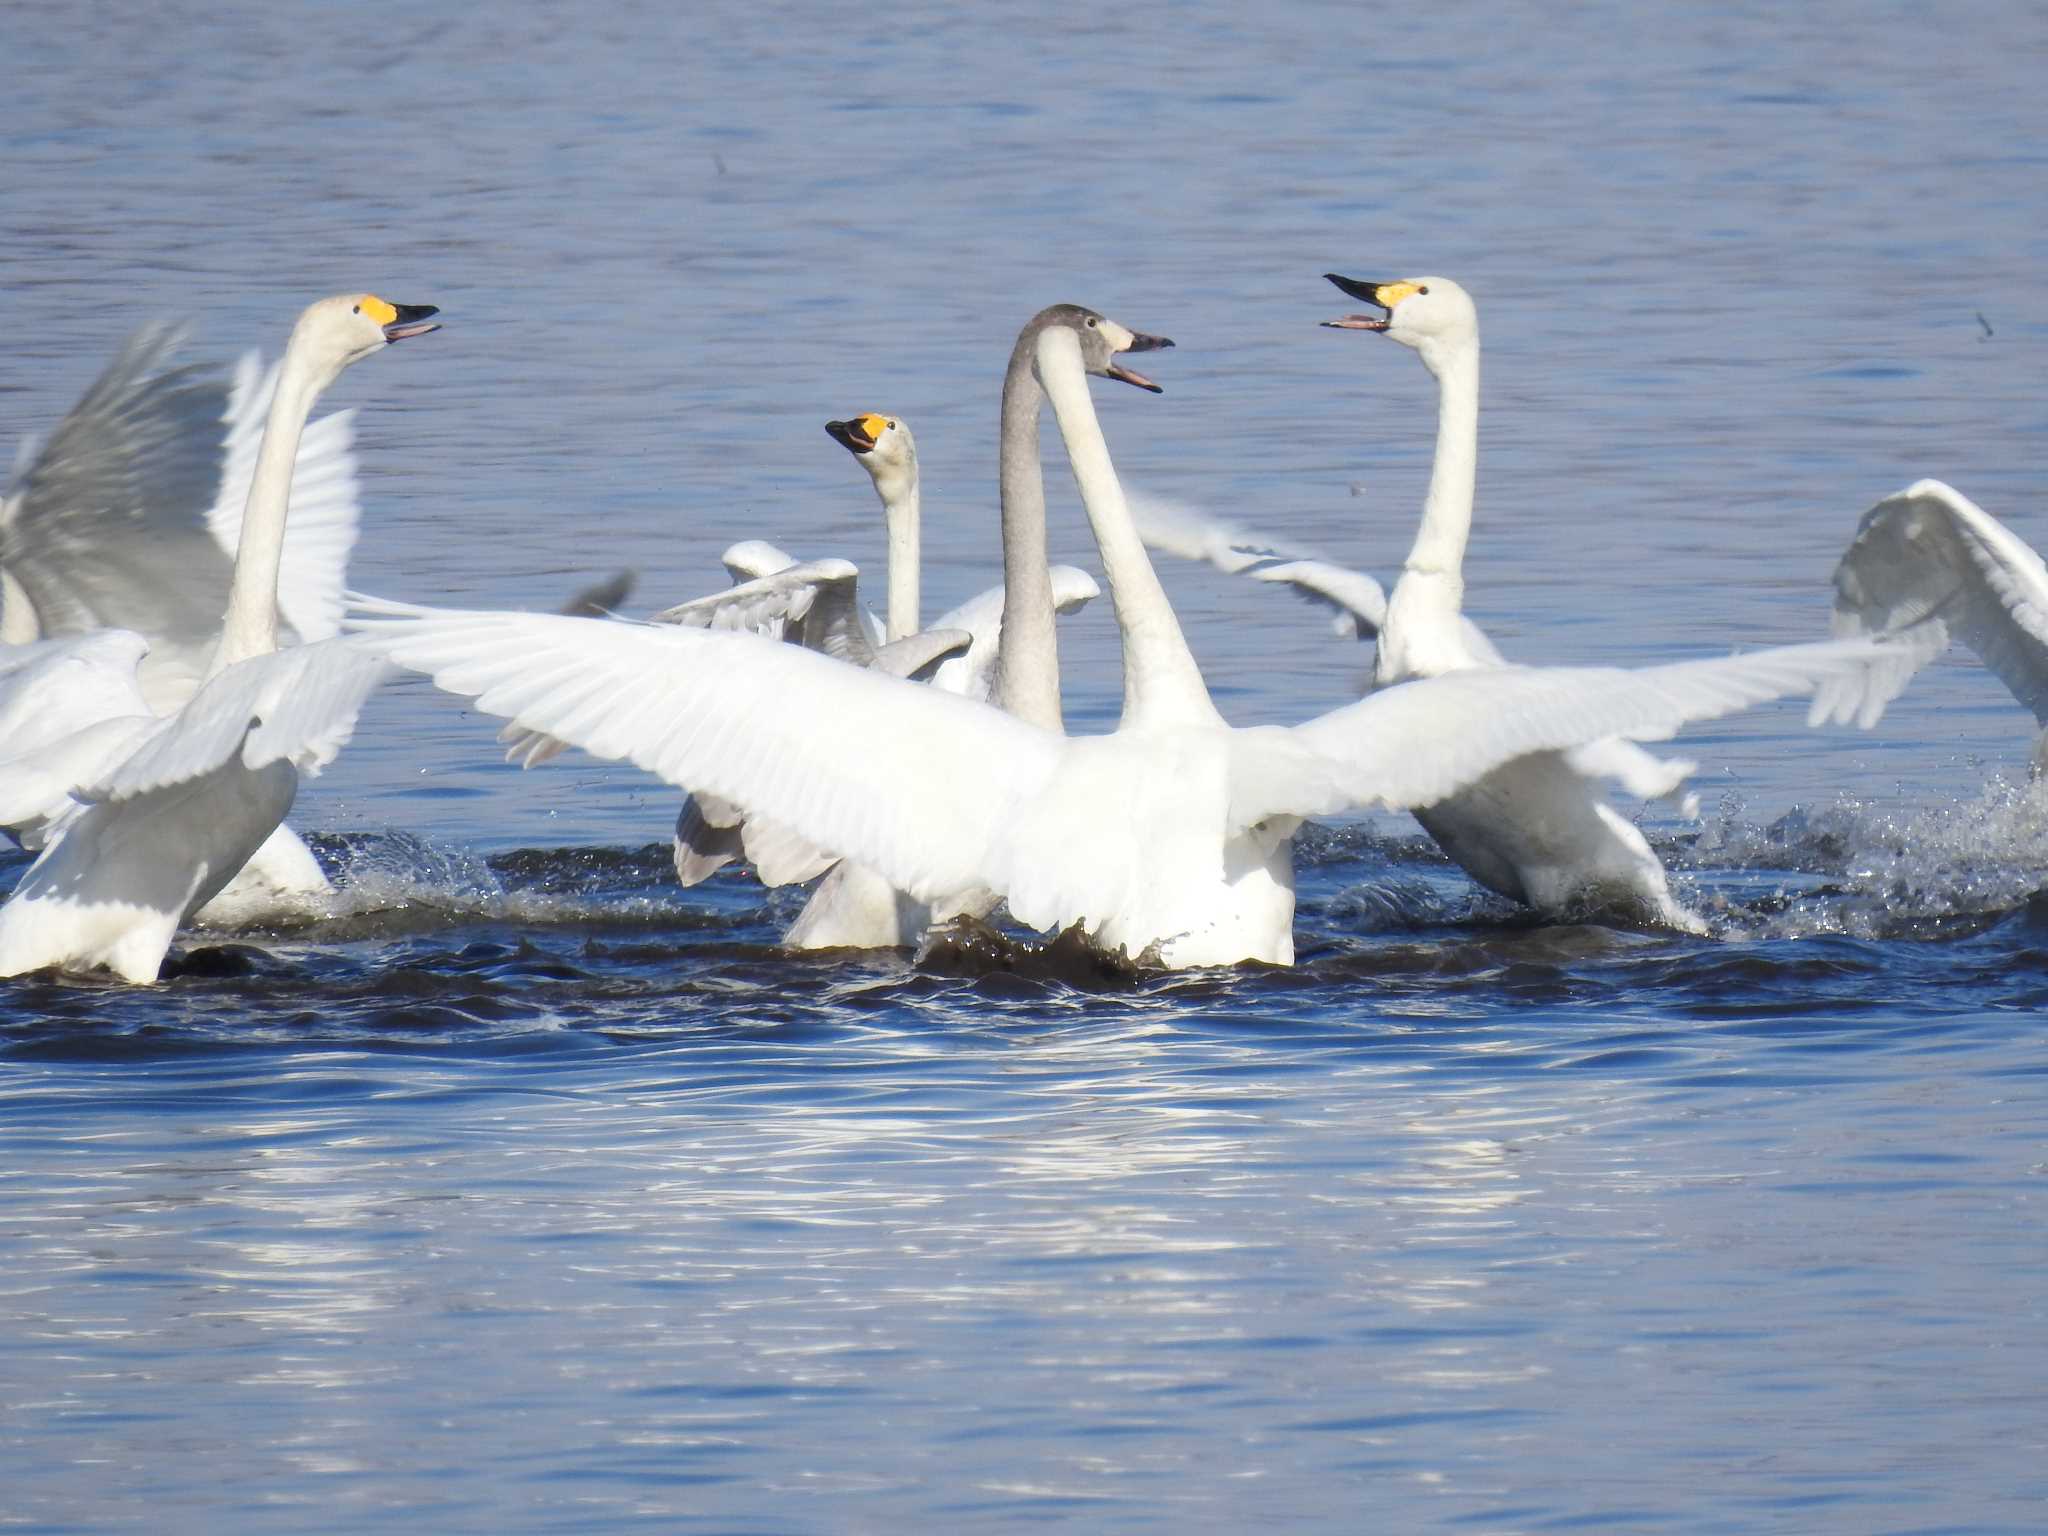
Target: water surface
<point x="523" y="1191"/>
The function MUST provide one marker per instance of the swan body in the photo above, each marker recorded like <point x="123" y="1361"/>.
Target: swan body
<point x="1168" y="839"/>
<point x="1930" y="561"/>
<point x="194" y="794"/>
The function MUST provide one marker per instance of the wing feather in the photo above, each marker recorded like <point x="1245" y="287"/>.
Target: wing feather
<point x="1929" y="556"/>
<point x="910" y="781"/>
<point x="298" y="705"/>
<point x="1419" y="742"/>
<point x="105" y="524"/>
<point x="1175" y="528"/>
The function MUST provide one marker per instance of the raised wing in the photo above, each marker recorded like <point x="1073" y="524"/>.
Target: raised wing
<point x="910" y="781"/>
<point x="816" y="604"/>
<point x="751" y="559"/>
<point x="106" y="525"/>
<point x="1419" y="742"/>
<point x="1930" y="556"/>
<point x="1358" y="602"/>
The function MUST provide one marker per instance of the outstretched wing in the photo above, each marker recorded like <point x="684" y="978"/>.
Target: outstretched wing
<point x="298" y="705"/>
<point x="910" y="781"/>
<point x="1358" y="601"/>
<point x="1175" y="528"/>
<point x="1930" y="556"/>
<point x="1419" y="742"/>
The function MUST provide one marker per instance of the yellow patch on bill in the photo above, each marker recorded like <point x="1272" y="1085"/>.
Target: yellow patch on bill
<point x="1390" y="294"/>
<point x="874" y="426"/>
<point x="378" y="310"/>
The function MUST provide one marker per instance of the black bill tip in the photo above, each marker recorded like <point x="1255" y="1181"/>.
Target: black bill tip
<point x="412" y="320"/>
<point x="851" y="435"/>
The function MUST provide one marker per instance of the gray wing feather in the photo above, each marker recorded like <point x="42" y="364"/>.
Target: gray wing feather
<point x="106" y="525"/>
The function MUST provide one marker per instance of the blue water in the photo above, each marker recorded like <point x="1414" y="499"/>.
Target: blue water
<point x="527" y="1192"/>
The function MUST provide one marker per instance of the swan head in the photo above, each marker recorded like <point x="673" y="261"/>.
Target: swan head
<point x="347" y="328"/>
<point x="1102" y="341"/>
<point x="881" y="445"/>
<point x="1431" y="314"/>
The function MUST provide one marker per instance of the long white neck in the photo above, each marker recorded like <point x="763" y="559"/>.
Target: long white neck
<point x="901" y="513"/>
<point x="1422" y="634"/>
<point x="250" y="628"/>
<point x="1447" y="511"/>
<point x="1027" y="671"/>
<point x="1162" y="684"/>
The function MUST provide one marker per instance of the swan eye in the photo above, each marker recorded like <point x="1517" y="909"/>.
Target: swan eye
<point x="1423" y="289"/>
<point x="1091" y="322"/>
<point x="357" y="310"/>
<point x="888" y="426"/>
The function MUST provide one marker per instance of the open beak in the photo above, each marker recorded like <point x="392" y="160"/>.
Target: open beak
<point x="1140" y="342"/>
<point x="852" y="435"/>
<point x="413" y="320"/>
<point x="1370" y="292"/>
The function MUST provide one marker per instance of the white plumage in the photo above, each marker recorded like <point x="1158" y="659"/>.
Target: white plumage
<point x="1167" y="839"/>
<point x="1929" y="559"/>
<point x="816" y="604"/>
<point x="1151" y="837"/>
<point x="128" y="518"/>
<point x="170" y="807"/>
<point x="1538" y="830"/>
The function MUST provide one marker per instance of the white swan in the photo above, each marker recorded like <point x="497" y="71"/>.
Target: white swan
<point x="1168" y="838"/>
<point x="1931" y="561"/>
<point x="854" y="907"/>
<point x="128" y="519"/>
<point x="177" y="804"/>
<point x="1539" y="829"/>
